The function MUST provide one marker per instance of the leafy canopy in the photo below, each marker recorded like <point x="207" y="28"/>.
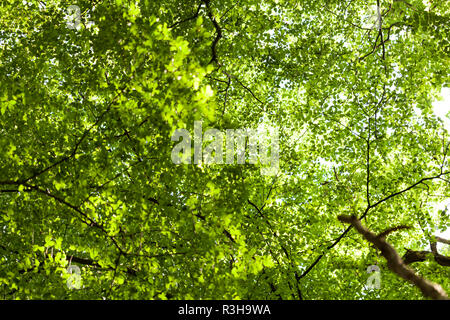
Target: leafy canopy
<point x="87" y="114"/>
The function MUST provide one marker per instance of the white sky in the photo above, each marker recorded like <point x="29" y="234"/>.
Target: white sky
<point x="441" y="108"/>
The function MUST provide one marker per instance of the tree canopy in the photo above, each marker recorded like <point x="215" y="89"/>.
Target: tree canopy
<point x="88" y="105"/>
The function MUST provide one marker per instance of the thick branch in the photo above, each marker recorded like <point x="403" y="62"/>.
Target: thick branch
<point x="196" y="14"/>
<point x="412" y="256"/>
<point x="442" y="240"/>
<point x="395" y="263"/>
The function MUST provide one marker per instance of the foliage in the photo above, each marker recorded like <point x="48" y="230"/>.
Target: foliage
<point x="87" y="114"/>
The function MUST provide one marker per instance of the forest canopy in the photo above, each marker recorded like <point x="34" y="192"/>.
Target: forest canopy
<point x="92" y="205"/>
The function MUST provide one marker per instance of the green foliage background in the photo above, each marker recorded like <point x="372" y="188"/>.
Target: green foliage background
<point x="85" y="171"/>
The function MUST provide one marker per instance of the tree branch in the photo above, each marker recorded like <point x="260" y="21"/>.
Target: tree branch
<point x="189" y="18"/>
<point x="395" y="263"/>
<point x="218" y="33"/>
